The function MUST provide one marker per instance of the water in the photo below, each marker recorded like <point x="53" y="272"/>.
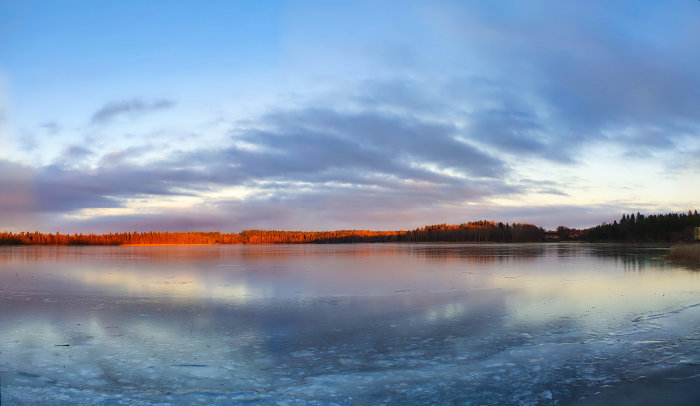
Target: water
<point x="530" y="324"/>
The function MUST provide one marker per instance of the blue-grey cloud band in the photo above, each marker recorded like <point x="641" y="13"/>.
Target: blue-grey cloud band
<point x="133" y="107"/>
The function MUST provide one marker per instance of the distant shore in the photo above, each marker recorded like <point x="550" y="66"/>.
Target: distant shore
<point x="165" y="245"/>
<point x="658" y="228"/>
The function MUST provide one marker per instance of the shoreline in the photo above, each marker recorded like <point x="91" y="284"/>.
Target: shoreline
<point x="354" y="242"/>
<point x="684" y="254"/>
<point x="145" y="245"/>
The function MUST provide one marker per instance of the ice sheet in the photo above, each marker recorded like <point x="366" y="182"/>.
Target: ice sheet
<point x="350" y="324"/>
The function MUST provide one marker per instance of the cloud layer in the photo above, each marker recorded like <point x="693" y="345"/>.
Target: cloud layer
<point x="474" y="110"/>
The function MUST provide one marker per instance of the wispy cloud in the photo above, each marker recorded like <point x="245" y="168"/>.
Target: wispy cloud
<point x="133" y="107"/>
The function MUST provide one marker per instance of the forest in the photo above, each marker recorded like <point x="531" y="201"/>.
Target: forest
<point x="671" y="227"/>
<point x="479" y="231"/>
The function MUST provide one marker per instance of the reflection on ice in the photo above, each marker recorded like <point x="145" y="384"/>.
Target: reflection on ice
<point x="347" y="324"/>
<point x="594" y="297"/>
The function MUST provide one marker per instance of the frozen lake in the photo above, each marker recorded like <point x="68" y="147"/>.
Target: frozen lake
<point x="500" y="324"/>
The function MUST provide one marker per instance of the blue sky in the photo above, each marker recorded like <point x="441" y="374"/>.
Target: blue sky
<point x="223" y="115"/>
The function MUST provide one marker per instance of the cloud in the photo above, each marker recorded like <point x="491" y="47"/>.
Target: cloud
<point x="381" y="160"/>
<point x="465" y="100"/>
<point x="511" y="119"/>
<point x="560" y="78"/>
<point x="291" y="209"/>
<point x="60" y="189"/>
<point x="510" y="130"/>
<point x="74" y="155"/>
<point x="17" y="200"/>
<point x="324" y="210"/>
<point x="325" y="162"/>
<point x="51" y="127"/>
<point x="133" y="107"/>
<point x="319" y="139"/>
<point x="403" y="94"/>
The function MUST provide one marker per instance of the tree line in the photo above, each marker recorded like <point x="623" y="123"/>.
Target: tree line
<point x="476" y="231"/>
<point x="479" y="231"/>
<point x="669" y="227"/>
<point x="631" y="227"/>
<point x="132" y="238"/>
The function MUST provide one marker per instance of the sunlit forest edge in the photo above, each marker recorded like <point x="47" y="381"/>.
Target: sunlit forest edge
<point x="672" y="227"/>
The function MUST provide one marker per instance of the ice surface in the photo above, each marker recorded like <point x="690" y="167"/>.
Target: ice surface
<point x="349" y="324"/>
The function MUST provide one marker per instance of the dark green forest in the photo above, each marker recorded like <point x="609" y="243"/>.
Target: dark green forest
<point x="671" y="227"/>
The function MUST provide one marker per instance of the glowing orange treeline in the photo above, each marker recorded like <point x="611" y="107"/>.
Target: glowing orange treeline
<point x="479" y="231"/>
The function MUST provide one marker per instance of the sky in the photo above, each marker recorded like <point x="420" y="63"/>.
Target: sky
<point x="322" y="115"/>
